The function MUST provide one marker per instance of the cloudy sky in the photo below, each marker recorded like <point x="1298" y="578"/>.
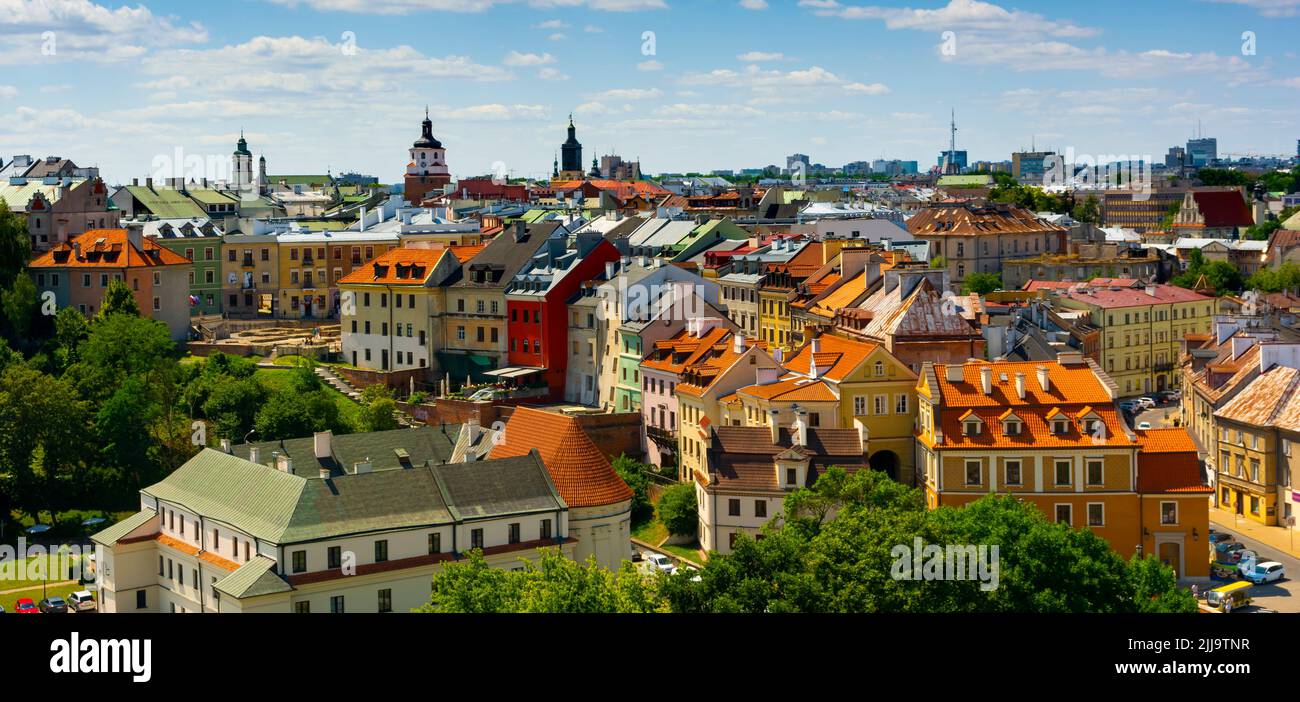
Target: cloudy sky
<point x="682" y="84"/>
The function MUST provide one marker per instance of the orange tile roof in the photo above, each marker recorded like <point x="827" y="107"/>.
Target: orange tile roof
<point x="464" y="253"/>
<point x="214" y="559"/>
<point x="844" y="355"/>
<point x="1035" y="430"/>
<point x="1170" y="471"/>
<point x="1166" y="440"/>
<point x="108" y="248"/>
<point x="1069" y="385"/>
<point x="176" y="544"/>
<point x="683" y="343"/>
<point x="411" y="267"/>
<point x="791" y="388"/>
<point x="580" y="471"/>
<point x="844" y="296"/>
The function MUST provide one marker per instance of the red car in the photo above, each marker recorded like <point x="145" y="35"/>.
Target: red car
<point x="26" y="606"/>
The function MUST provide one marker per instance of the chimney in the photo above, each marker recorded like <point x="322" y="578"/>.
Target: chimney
<point x="986" y="379"/>
<point x="254" y="454"/>
<point x="135" y="182"/>
<point x="1070" y="359"/>
<point x="148" y="183"/>
<point x="473" y="428"/>
<point x="767" y="376"/>
<point x="323" y="443"/>
<point x="362" y="221"/>
<point x="953" y="372"/>
<point x="1043" y="381"/>
<point x="816" y="341"/>
<point x="225" y="446"/>
<point x="362" y="466"/>
<point x="774" y="426"/>
<point x="738" y="343"/>
<point x="801" y="428"/>
<point x="1020" y="385"/>
<point x="1151" y="290"/>
<point x="521" y="230"/>
<point x="324" y="473"/>
<point x="609" y="270"/>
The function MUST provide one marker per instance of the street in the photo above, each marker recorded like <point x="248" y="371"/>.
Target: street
<point x="1282" y="596"/>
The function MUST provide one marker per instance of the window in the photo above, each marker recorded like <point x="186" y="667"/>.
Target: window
<point x="733" y="507"/>
<point x="900" y="404"/>
<point x="385" y="600"/>
<point x="1065" y="514"/>
<point x="760" y="509"/>
<point x="335" y="557"/>
<point x="336" y="604"/>
<point x="381" y="551"/>
<point x="514" y="533"/>
<point x="1063" y="472"/>
<point x="974" y="473"/>
<point x="303" y="607"/>
<point x="1095" y="472"/>
<point x="1096" y="514"/>
<point x="435" y="543"/>
<point x="881" y="402"/>
<point x="1060" y="426"/>
<point x="1169" y="512"/>
<point x="299" y="561"/>
<point x="971" y="427"/>
<point x="791" y="476"/>
<point x="140" y="599"/>
<point x="476" y="538"/>
<point x="1013" y="476"/>
<point x="880" y="369"/>
<point x="545" y="531"/>
<point x="860" y="406"/>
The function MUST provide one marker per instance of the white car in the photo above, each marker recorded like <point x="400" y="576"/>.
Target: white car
<point x="658" y="561"/>
<point x="1146" y="402"/>
<point x="81" y="601"/>
<point x="1144" y="425"/>
<point x="1266" y="572"/>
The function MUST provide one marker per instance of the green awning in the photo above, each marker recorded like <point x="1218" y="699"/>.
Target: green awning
<point x="466" y="365"/>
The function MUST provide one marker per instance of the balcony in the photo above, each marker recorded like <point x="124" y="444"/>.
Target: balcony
<point x="247" y="262"/>
<point x="1163" y="367"/>
<point x="666" y="438"/>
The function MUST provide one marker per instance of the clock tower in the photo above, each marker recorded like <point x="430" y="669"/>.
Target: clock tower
<point x="427" y="173"/>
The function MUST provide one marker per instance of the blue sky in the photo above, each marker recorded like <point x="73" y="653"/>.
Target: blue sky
<point x="342" y="84"/>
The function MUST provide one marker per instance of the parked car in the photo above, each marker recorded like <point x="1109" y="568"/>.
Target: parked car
<point x="659" y="561"/>
<point x="1225" y="549"/>
<point x="1146" y="402"/>
<point x="26" y="606"/>
<point x="1266" y="572"/>
<point x="1129" y="406"/>
<point x="81" y="601"/>
<point x="636" y="555"/>
<point x="1144" y="425"/>
<point x="53" y="605"/>
<point x="1245" y="556"/>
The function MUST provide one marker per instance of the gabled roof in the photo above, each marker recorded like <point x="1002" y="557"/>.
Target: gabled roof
<point x="401" y="267"/>
<point x="837" y="358"/>
<point x="1168" y="462"/>
<point x="109" y="248"/>
<point x="579" y="469"/>
<point x="1270" y="400"/>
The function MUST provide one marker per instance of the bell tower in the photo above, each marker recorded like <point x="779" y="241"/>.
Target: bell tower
<point x="427" y="172"/>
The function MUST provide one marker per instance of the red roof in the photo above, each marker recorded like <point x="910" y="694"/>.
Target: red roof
<point x="108" y="248"/>
<point x="1223" y="208"/>
<point x="410" y="267"/>
<point x="1168" y="462"/>
<point x="580" y="471"/>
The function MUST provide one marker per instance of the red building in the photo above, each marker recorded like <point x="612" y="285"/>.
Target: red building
<point x="536" y="304"/>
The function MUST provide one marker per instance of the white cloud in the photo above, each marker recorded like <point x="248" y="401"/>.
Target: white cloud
<point x="1269" y="8"/>
<point x="404" y="7"/>
<point x="558" y="36"/>
<point x="551" y="74"/>
<point x="761" y="56"/>
<point x="80" y="30"/>
<point x="754" y="4"/>
<point x="650" y="66"/>
<point x="515" y="58"/>
<point x="551" y="24"/>
<point x="626" y="94"/>
<point x="957" y="16"/>
<point x="8" y="91"/>
<point x="865" y="89"/>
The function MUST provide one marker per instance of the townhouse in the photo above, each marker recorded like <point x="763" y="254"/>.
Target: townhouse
<point x="748" y="471"/>
<point x="971" y="239"/>
<point x="1050" y="434"/>
<point x="59" y="208"/>
<point x="777" y="291"/>
<point x="307" y="531"/>
<point x="1255" y="439"/>
<point x="1142" y="330"/>
<point x="198" y="240"/>
<point x="250" y="264"/>
<point x="840" y="383"/>
<point x="741" y="283"/>
<point x="79" y="272"/>
<point x="312" y="263"/>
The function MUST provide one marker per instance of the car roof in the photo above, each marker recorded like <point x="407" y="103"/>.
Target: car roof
<point x="1267" y="564"/>
<point x="82" y="593"/>
<point x="1233" y="587"/>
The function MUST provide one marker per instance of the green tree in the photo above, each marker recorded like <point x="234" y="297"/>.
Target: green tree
<point x="43" y="430"/>
<point x="982" y="283"/>
<point x="633" y="473"/>
<point x="554" y="584"/>
<point x="15" y="245"/>
<point x="120" y="346"/>
<point x="70" y="330"/>
<point x="118" y="299"/>
<point x="1088" y="211"/>
<point x="19" y="305"/>
<point x="233" y="406"/>
<point x="380" y="415"/>
<point x="679" y="509"/>
<point x="288" y="415"/>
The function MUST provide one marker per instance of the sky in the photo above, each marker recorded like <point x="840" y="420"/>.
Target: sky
<point x="164" y="87"/>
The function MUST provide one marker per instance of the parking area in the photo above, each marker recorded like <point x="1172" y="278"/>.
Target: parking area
<point x="1281" y="596"/>
<point x="1160" y="411"/>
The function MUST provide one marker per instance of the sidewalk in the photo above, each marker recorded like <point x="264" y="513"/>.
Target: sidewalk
<point x="1276" y="537"/>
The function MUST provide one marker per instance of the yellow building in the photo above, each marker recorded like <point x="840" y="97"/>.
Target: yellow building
<point x="250" y="271"/>
<point x="1050" y="434"/>
<point x="1253" y="435"/>
<point x="1142" y="330"/>
<point x="308" y="273"/>
<point x="838" y="383"/>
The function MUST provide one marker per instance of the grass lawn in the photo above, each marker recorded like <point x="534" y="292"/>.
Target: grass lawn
<point x="652" y="532"/>
<point x="690" y="552"/>
<point x="276" y="381"/>
<point x="8" y="601"/>
<point x="9" y="573"/>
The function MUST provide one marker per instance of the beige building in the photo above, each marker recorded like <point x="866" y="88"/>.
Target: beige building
<point x="978" y="239"/>
<point x="308" y="528"/>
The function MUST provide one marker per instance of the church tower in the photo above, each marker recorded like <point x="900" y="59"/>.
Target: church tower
<point x="241" y="165"/>
<point x="571" y="155"/>
<point x="427" y="172"/>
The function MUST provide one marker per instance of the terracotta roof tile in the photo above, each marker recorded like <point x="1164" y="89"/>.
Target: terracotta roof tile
<point x="108" y="248"/>
<point x="410" y="267"/>
<point x="580" y="471"/>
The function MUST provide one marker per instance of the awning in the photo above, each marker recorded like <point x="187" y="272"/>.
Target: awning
<point x="516" y="372"/>
<point x="465" y="365"/>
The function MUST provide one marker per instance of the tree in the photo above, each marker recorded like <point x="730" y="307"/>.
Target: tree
<point x="19" y="305"/>
<point x="287" y="415"/>
<point x="679" y="510"/>
<point x="15" y="245"/>
<point x="118" y="299"/>
<point x="43" y="429"/>
<point x="233" y="406"/>
<point x="380" y="415"/>
<point x="120" y="346"/>
<point x="982" y="283"/>
<point x="1088" y="211"/>
<point x="634" y="474"/>
<point x="70" y="330"/>
<point x="554" y="584"/>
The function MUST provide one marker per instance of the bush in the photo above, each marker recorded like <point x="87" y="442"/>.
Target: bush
<point x="634" y="474"/>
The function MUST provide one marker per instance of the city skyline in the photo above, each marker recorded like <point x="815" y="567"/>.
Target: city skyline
<point x="342" y="85"/>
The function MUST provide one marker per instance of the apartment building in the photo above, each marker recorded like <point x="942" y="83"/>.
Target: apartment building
<point x="198" y="240"/>
<point x="79" y="273"/>
<point x="59" y="208"/>
<point x="311" y="264"/>
<point x="1255" y="441"/>
<point x="251" y="270"/>
<point x="974" y="239"/>
<point x="1050" y="434"/>
<point x="303" y="532"/>
<point x="1142" y="330"/>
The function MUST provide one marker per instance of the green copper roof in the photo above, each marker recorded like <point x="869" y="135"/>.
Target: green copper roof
<point x="166" y="203"/>
<point x="110" y="535"/>
<point x="253" y="579"/>
<point x="259" y="500"/>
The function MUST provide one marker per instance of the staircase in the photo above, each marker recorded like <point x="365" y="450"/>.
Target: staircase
<point x="333" y="380"/>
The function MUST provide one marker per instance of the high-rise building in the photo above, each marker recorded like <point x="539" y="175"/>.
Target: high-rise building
<point x="1030" y="166"/>
<point x="1202" y="151"/>
<point x="793" y="159"/>
<point x="1176" y="158"/>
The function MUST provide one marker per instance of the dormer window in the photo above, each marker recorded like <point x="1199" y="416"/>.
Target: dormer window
<point x="971" y="427"/>
<point x="1060" y="426"/>
<point x="1011" y="427"/>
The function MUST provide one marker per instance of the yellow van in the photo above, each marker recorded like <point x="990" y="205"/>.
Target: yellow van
<point x="1228" y="597"/>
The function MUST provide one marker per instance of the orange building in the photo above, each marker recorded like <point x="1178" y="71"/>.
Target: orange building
<point x="79" y="272"/>
<point x="1050" y="434"/>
